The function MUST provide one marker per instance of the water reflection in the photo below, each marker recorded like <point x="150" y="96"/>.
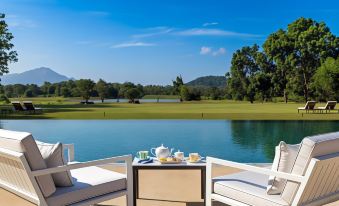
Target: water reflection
<point x="267" y="134"/>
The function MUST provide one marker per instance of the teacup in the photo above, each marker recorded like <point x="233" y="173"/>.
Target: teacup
<point x="142" y="155"/>
<point x="194" y="157"/>
<point x="179" y="155"/>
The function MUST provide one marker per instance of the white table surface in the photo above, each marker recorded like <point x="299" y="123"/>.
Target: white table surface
<point x="157" y="163"/>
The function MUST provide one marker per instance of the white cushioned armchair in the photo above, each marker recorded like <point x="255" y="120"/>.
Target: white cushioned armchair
<point x="24" y="172"/>
<point x="313" y="180"/>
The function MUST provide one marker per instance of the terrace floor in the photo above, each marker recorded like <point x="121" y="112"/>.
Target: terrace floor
<point x="160" y="188"/>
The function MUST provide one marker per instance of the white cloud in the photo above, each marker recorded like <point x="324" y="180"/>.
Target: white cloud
<point x="220" y="51"/>
<point x="209" y="51"/>
<point x="154" y="31"/>
<point x="132" y="44"/>
<point x="15" y="21"/>
<point x="213" y="32"/>
<point x="210" y="24"/>
<point x="205" y="50"/>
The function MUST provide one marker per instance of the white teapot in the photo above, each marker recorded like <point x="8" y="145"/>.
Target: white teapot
<point x="161" y="152"/>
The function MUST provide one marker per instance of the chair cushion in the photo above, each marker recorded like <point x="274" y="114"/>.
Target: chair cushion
<point x="248" y="188"/>
<point x="89" y="182"/>
<point x="23" y="142"/>
<point x="285" y="155"/>
<point x="310" y="147"/>
<point x="53" y="155"/>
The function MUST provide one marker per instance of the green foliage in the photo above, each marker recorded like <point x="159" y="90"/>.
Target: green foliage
<point x="85" y="87"/>
<point x="177" y="85"/>
<point x="132" y="94"/>
<point x="286" y="65"/>
<point x="184" y="93"/>
<point x="102" y="89"/>
<point x="7" y="54"/>
<point x="189" y="93"/>
<point x="4" y="99"/>
<point x="326" y="80"/>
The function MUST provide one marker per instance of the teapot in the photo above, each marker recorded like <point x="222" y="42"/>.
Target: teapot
<point x="161" y="152"/>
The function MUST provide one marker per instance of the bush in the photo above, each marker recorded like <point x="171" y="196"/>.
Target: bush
<point x="4" y="99"/>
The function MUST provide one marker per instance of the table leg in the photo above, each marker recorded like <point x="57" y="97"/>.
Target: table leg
<point x="203" y="184"/>
<point x="135" y="185"/>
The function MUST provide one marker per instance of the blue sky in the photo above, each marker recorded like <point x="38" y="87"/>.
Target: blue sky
<point x="147" y="42"/>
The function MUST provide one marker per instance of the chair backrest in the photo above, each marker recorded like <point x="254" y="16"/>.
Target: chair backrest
<point x="29" y="105"/>
<point x="17" y="106"/>
<point x="20" y="154"/>
<point x="310" y="104"/>
<point x="321" y="185"/>
<point x="14" y="176"/>
<point x="311" y="147"/>
<point x="330" y="104"/>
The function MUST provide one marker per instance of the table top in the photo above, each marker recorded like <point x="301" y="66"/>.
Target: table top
<point x="156" y="163"/>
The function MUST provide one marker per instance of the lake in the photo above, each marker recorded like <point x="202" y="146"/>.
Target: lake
<point x="243" y="141"/>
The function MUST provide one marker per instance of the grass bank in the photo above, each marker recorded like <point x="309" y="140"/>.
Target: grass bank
<point x="60" y="108"/>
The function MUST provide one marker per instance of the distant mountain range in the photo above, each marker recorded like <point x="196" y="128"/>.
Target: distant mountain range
<point x="35" y="76"/>
<point x="208" y="81"/>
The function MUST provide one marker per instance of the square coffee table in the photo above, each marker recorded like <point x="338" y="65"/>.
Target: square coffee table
<point x="156" y="165"/>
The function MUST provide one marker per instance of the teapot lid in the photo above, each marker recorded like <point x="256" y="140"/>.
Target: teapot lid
<point x="162" y="147"/>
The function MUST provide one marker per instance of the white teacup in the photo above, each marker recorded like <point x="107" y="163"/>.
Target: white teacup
<point x="179" y="155"/>
<point x="194" y="157"/>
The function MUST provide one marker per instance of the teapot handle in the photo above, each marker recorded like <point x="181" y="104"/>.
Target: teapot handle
<point x="153" y="153"/>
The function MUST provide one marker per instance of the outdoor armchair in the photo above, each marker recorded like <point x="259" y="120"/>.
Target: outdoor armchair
<point x="330" y="105"/>
<point x="24" y="173"/>
<point x="312" y="181"/>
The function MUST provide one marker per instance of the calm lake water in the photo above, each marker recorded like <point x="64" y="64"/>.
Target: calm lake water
<point x="243" y="141"/>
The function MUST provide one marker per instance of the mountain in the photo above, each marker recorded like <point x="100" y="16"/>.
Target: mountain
<point x="35" y="76"/>
<point x="208" y="81"/>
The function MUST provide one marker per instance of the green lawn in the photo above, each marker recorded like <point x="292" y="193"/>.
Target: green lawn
<point x="60" y="108"/>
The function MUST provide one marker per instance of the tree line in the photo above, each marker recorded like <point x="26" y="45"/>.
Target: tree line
<point x="299" y="62"/>
<point x="87" y="88"/>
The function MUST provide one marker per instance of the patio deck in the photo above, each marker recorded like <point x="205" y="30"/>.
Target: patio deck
<point x="180" y="188"/>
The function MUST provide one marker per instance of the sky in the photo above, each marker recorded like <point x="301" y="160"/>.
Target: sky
<point x="147" y="42"/>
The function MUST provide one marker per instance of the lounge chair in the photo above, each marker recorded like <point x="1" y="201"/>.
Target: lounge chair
<point x="309" y="106"/>
<point x="313" y="180"/>
<point x="330" y="105"/>
<point x="30" y="107"/>
<point x="23" y="171"/>
<point x="17" y="106"/>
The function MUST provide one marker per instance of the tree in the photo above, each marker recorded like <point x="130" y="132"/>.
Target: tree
<point x="102" y="89"/>
<point x="184" y="93"/>
<point x="132" y="94"/>
<point x="177" y="84"/>
<point x="326" y="80"/>
<point x="7" y="54"/>
<point x="278" y="47"/>
<point x="312" y="43"/>
<point x="85" y="87"/>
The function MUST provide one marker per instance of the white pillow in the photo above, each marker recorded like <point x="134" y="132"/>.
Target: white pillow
<point x="285" y="156"/>
<point x="54" y="157"/>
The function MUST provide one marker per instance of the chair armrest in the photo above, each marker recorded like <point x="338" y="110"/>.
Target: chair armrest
<point x="288" y="176"/>
<point x="125" y="158"/>
<point x="70" y="151"/>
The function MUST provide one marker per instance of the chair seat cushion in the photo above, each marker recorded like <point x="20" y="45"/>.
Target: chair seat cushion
<point x="88" y="182"/>
<point x="248" y="188"/>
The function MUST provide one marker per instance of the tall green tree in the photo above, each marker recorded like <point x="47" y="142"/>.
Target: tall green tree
<point x="313" y="43"/>
<point x="326" y="80"/>
<point x="132" y="94"/>
<point x="177" y="83"/>
<point x="102" y="89"/>
<point x="278" y="47"/>
<point x="7" y="54"/>
<point x="85" y="87"/>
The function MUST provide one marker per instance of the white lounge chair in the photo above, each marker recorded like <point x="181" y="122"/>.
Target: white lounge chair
<point x="330" y="105"/>
<point x="314" y="179"/>
<point x="23" y="172"/>
<point x="309" y="106"/>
